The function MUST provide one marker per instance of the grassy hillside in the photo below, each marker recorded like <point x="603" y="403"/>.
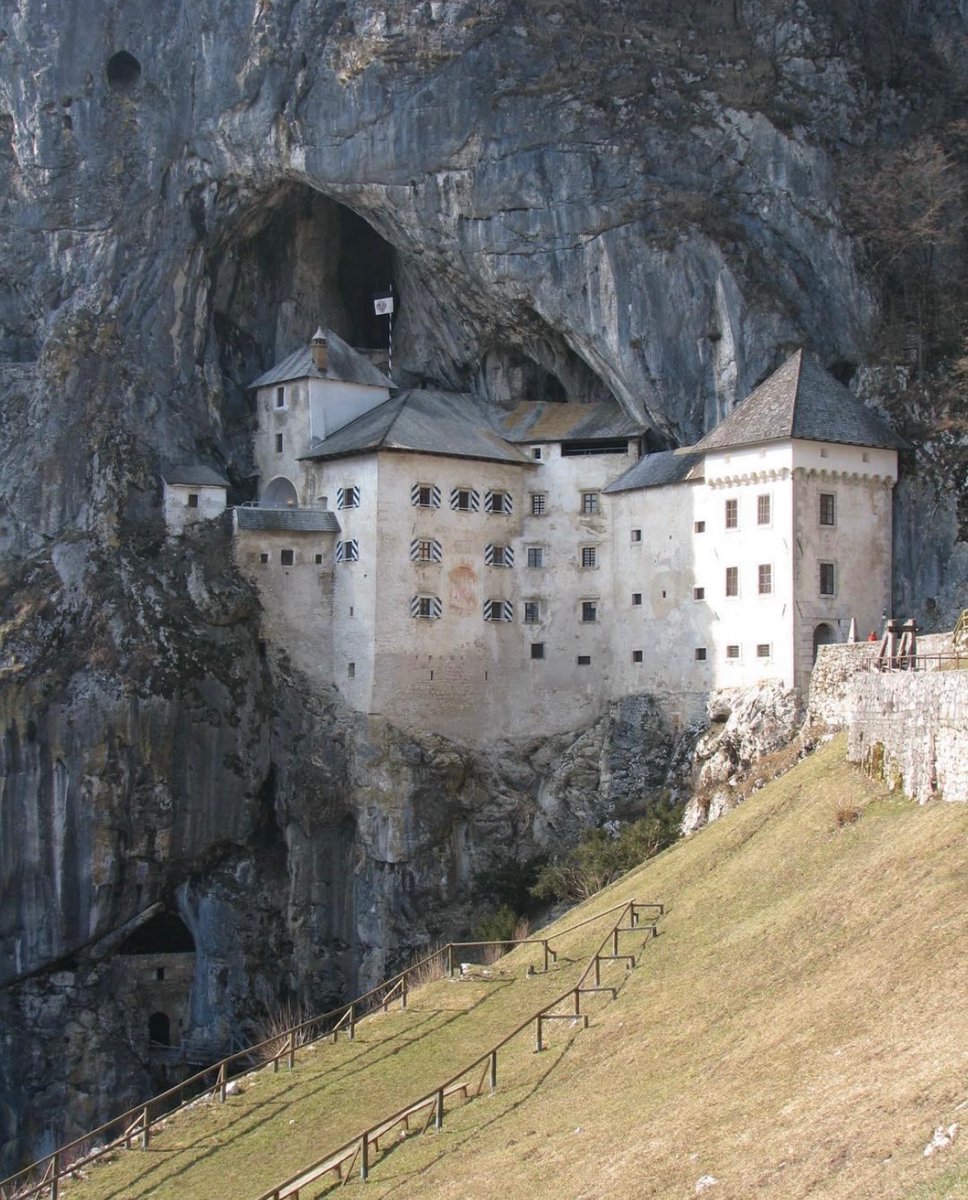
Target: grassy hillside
<point x="800" y="1027"/>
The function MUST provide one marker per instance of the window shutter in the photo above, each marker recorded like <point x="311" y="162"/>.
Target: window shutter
<point x="509" y="556"/>
<point x="488" y="555"/>
<point x="436" y="551"/>
<point x="415" y="494"/>
<point x="435" y="496"/>
<point x="414" y="551"/>
<point x="508" y="503"/>
<point x="436" y="608"/>
<point x="339" y="551"/>
<point x="354" y="550"/>
<point x="339" y="498"/>
<point x="415" y="606"/>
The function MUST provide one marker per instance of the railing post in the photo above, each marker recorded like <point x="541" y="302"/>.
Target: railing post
<point x="145" y="1128"/>
<point x="221" y="1082"/>
<point x="598" y="971"/>
<point x="615" y="940"/>
<point x="403" y="993"/>
<point x="364" y="1157"/>
<point x="450" y="960"/>
<point x="352" y="1025"/>
<point x="292" y="1049"/>
<point x="546" y="955"/>
<point x="577" y="1002"/>
<point x="439" y="1114"/>
<point x="493" y="1080"/>
<point x="54" y="1174"/>
<point x="537" y="1034"/>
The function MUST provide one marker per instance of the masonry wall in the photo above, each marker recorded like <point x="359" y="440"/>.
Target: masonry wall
<point x="911" y="729"/>
<point x="210" y="503"/>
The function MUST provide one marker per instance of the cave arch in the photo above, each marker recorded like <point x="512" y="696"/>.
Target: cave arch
<point x="123" y="71"/>
<point x="279" y="492"/>
<point x="165" y="933"/>
<point x="159" y="1029"/>
<point x="823" y="635"/>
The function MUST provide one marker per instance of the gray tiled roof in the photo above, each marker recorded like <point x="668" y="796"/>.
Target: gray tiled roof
<point x="801" y="400"/>
<point x="287" y="520"/>
<point x="422" y="420"/>
<point x="344" y="363"/>
<point x="194" y="476"/>
<point x="657" y="470"/>
<point x="548" y="421"/>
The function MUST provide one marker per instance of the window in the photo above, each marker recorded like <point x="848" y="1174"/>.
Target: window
<point x="732" y="581"/>
<point x="319" y="560"/>
<point x="536" y="453"/>
<point x="763" y="506"/>
<point x="425" y="550"/>
<point x="287" y="557"/>
<point x="589" y="610"/>
<point x="347" y="552"/>
<point x="732" y="514"/>
<point x="280" y="397"/>
<point x="193" y="499"/>
<point x="425" y="495"/>
<point x="828" y="508"/>
<point x="699" y="527"/>
<point x="278" y="443"/>
<point x="700" y="654"/>
<point x="589" y="503"/>
<point x="765" y="579"/>
<point x="263" y="558"/>
<point x="732" y="651"/>
<point x="498" y="556"/>
<point x="351" y="670"/>
<point x="497" y="502"/>
<point x="699" y="593"/>
<point x="636" y="599"/>
<point x="827" y="579"/>
<point x="498" y="610"/>
<point x="464" y="500"/>
<point x="348" y="497"/>
<point x="537" y="649"/>
<point x="584" y="660"/>
<point x="539" y="504"/>
<point x="532" y="612"/>
<point x="589" y="557"/>
<point x="823" y="454"/>
<point x="427" y="608"/>
<point x="763" y="650"/>
<point x="535" y="556"/>
<point x="636" y="536"/>
<point x="637" y="656"/>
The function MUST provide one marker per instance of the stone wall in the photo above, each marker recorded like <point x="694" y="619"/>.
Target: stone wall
<point x="912" y="731"/>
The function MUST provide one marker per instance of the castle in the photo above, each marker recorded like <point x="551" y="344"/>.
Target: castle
<point x="484" y="573"/>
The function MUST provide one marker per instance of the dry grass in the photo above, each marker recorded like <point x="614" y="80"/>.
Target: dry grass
<point x="799" y="1028"/>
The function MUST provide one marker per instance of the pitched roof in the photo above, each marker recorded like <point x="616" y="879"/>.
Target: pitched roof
<point x="193" y="475"/>
<point x="287" y="520"/>
<point x="424" y="420"/>
<point x="551" y="421"/>
<point x="657" y="470"/>
<point x="801" y="400"/>
<point x="343" y="363"/>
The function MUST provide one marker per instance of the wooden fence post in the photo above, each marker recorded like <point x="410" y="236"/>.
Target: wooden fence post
<point x="577" y="1002"/>
<point x="403" y="993"/>
<point x="450" y="960"/>
<point x="364" y="1157"/>
<point x="221" y="1082"/>
<point x="292" y="1050"/>
<point x="546" y="955"/>
<point x="439" y="1114"/>
<point x="598" y="971"/>
<point x="537" y="1034"/>
<point x="352" y="1024"/>
<point x="493" y="1079"/>
<point x="54" y="1175"/>
<point x="145" y="1128"/>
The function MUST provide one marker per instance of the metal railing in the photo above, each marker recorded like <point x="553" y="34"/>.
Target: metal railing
<point x="135" y="1125"/>
<point x="919" y="662"/>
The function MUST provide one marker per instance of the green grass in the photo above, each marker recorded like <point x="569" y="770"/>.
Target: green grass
<point x="799" y="1028"/>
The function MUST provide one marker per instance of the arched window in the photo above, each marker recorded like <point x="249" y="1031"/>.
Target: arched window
<point x="159" y="1029"/>
<point x="823" y="635"/>
<point x="279" y="493"/>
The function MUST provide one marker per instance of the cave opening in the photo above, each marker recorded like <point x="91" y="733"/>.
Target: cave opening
<point x="159" y="1029"/>
<point x="123" y="71"/>
<point x="165" y="933"/>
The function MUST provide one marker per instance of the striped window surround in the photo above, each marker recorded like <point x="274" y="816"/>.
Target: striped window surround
<point x="498" y="556"/>
<point x="348" y="551"/>
<point x="465" y="499"/>
<point x="498" y="502"/>
<point x="498" y="610"/>
<point x="428" y="607"/>
<point x="426" y="550"/>
<point x="348" y="497"/>
<point x="425" y="495"/>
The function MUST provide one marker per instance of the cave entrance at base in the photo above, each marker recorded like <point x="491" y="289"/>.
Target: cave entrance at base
<point x="165" y="933"/>
<point x="159" y="1029"/>
<point x="823" y="635"/>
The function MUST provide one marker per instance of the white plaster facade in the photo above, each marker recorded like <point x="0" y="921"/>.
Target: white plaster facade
<point x="187" y="503"/>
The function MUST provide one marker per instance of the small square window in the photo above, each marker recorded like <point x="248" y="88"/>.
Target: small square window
<point x="424" y="495"/>
<point x="589" y="557"/>
<point x="535" y="556"/>
<point x="532" y="612"/>
<point x="263" y="558"/>
<point x="425" y="550"/>
<point x="539" y="504"/>
<point x="464" y="499"/>
<point x="732" y="514"/>
<point x="699" y="593"/>
<point x="589" y="610"/>
<point x="763" y="506"/>
<point x="584" y="660"/>
<point x="732" y="581"/>
<point x="160" y="974"/>
<point x="500" y="556"/>
<point x="732" y="651"/>
<point x="287" y="557"/>
<point x="636" y="599"/>
<point x="828" y="508"/>
<point x="278" y="443"/>
<point x="589" y="503"/>
<point x="318" y="560"/>
<point x="537" y="650"/>
<point x="424" y="607"/>
<point x="828" y="581"/>
<point x="636" y="536"/>
<point x="700" y="654"/>
<point x="348" y="496"/>
<point x="193" y="499"/>
<point x="699" y="527"/>
<point x="765" y="579"/>
<point x="823" y="454"/>
<point x="536" y="452"/>
<point x="280" y="397"/>
<point x="865" y="456"/>
<point x="351" y="670"/>
<point x="762" y="649"/>
<point x="636" y="656"/>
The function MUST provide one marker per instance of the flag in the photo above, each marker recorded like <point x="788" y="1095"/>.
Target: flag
<point x="383" y="303"/>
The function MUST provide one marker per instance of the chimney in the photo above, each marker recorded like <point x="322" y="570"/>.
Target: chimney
<point x="320" y="354"/>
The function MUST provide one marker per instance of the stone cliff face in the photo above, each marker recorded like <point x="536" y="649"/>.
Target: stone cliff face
<point x="571" y="200"/>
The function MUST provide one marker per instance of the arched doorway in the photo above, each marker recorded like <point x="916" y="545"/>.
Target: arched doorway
<point x="279" y="493"/>
<point x="159" y="1029"/>
<point x="823" y="635"/>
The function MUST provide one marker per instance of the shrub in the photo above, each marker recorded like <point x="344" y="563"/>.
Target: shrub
<point x="847" y="812"/>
